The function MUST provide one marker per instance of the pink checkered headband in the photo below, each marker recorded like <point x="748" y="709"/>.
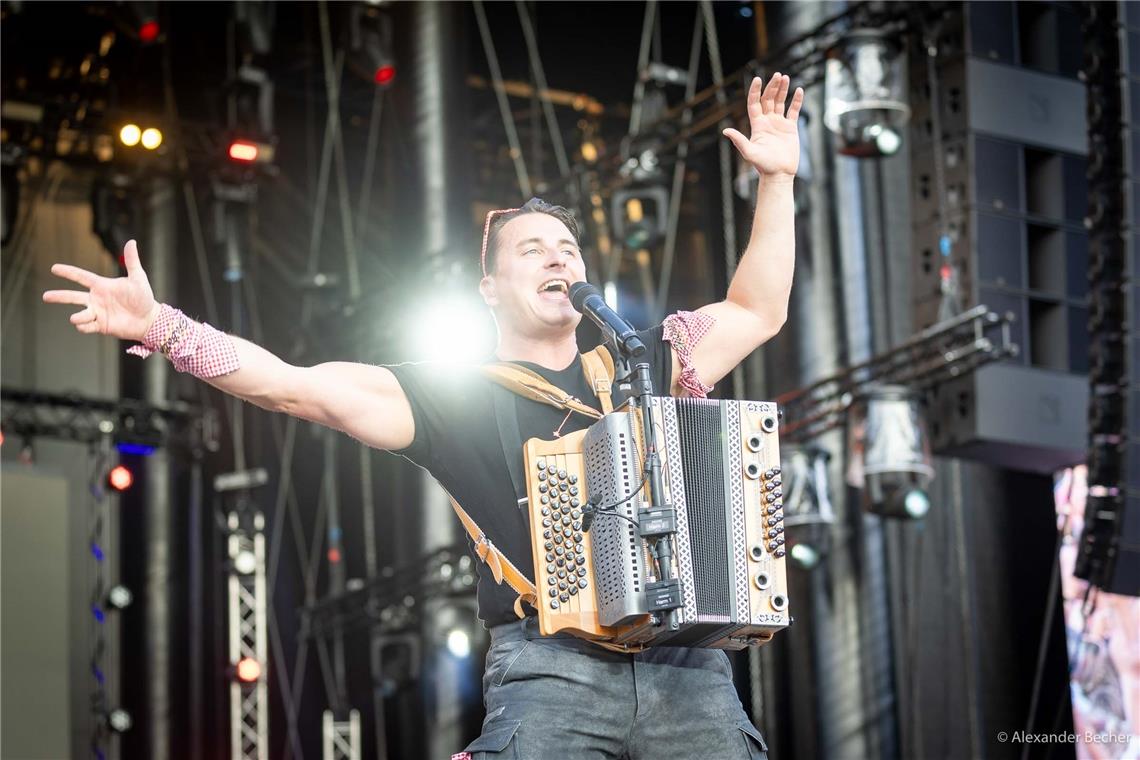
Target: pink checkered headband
<point x="487" y="234"/>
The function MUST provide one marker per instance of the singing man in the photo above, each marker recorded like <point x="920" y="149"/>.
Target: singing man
<point x="544" y="696"/>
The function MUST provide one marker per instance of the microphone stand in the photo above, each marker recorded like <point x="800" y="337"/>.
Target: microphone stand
<point x="665" y="593"/>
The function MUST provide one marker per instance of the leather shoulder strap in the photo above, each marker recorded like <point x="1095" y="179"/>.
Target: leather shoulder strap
<point x="510" y="437"/>
<point x="502" y="569"/>
<point x="535" y="387"/>
<point x="599" y="368"/>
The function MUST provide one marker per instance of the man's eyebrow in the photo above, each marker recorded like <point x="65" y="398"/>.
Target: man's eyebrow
<point x="529" y="241"/>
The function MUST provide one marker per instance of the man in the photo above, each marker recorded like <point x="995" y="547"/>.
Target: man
<point x="545" y="697"/>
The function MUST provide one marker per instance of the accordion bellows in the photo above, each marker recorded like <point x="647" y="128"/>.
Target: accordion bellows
<point x="721" y="476"/>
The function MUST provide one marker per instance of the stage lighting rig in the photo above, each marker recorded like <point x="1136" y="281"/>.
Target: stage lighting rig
<point x="866" y="97"/>
<point x="115" y="213"/>
<point x="639" y="216"/>
<point x="890" y="453"/>
<point x="808" y="515"/>
<point x="370" y="44"/>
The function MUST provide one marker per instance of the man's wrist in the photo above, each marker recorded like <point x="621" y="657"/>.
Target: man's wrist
<point x="777" y="178"/>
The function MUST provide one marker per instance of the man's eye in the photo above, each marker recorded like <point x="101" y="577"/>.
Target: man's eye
<point x="569" y="252"/>
<point x="530" y="251"/>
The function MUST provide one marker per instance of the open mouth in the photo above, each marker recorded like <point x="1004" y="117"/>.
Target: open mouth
<point x="554" y="289"/>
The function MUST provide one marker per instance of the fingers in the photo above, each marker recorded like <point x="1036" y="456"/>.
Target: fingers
<point x="768" y="97"/>
<point x="88" y="328"/>
<point x="739" y="140"/>
<point x="754" y="107"/>
<point x="77" y="297"/>
<point x="75" y="274"/>
<point x="797" y="102"/>
<point x="82" y="317"/>
<point x="131" y="258"/>
<point x="782" y="94"/>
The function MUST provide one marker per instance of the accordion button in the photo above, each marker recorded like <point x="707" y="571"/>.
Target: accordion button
<point x="564" y="596"/>
<point x="564" y="498"/>
<point x="576" y="513"/>
<point x="550" y="556"/>
<point x="580" y="558"/>
<point x="771" y="533"/>
<point x="549" y="545"/>
<point x="771" y="520"/>
<point x="577" y="525"/>
<point x="554" y="592"/>
<point x="559" y="551"/>
<point x="551" y="568"/>
<point x="558" y="537"/>
<point x="562" y="474"/>
<point x="780" y="552"/>
<point x="553" y="604"/>
<point x="573" y="490"/>
<point x="573" y="479"/>
<point x="565" y="509"/>
<point x="562" y="486"/>
<point x="543" y="488"/>
<point x="561" y="585"/>
<point x="551" y="580"/>
<point x="547" y="534"/>
<point x="544" y="499"/>
<point x="561" y="573"/>
<point x="571" y="567"/>
<point x="578" y="538"/>
<point x="546" y="522"/>
<point x="552" y="469"/>
<point x="560" y="562"/>
<point x="573" y="590"/>
<point x="542" y="476"/>
<point x="770" y="498"/>
<point x="583" y="583"/>
<point x="546" y="511"/>
<point x="575" y="503"/>
<point x="780" y="540"/>
<point x="542" y="464"/>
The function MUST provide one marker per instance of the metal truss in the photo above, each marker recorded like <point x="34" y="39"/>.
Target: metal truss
<point x="249" y="700"/>
<point x="72" y="417"/>
<point x="949" y="349"/>
<point x="340" y="739"/>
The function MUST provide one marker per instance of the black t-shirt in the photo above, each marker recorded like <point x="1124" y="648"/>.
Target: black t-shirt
<point x="457" y="440"/>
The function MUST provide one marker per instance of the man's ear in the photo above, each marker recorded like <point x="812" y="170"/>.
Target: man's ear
<point x="488" y="290"/>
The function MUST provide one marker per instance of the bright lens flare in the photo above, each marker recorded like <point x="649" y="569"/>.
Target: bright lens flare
<point x="452" y="329"/>
<point x="129" y="135"/>
<point x="248" y="669"/>
<point x="151" y="138"/>
<point x="458" y="643"/>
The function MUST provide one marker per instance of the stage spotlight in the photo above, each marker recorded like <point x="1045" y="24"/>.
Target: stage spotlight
<point x="370" y="45"/>
<point x="250" y="152"/>
<point x="130" y="135"/>
<point x="148" y="31"/>
<point x="890" y="453"/>
<point x="248" y="670"/>
<point x="119" y="597"/>
<point x="245" y="562"/>
<point x="866" y="101"/>
<point x="458" y="642"/>
<point x="120" y="478"/>
<point x="151" y="138"/>
<point x="639" y="216"/>
<point x="808" y="515"/>
<point x="119" y="720"/>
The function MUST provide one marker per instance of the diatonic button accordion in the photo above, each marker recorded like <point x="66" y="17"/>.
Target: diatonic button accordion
<point x="597" y="529"/>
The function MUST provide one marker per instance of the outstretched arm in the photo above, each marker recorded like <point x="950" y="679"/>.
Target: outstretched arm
<point x="362" y="400"/>
<point x="756" y="305"/>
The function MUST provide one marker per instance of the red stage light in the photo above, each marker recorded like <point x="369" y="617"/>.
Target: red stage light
<point x="248" y="670"/>
<point x="243" y="151"/>
<point x="334" y="555"/>
<point x="148" y="32"/>
<point x="120" y="478"/>
<point x="385" y="74"/>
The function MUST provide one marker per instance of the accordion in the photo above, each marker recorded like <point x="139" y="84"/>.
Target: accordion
<point x="597" y="531"/>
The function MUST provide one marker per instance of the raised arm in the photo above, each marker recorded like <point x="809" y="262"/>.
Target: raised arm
<point x="362" y="400"/>
<point x="756" y="305"/>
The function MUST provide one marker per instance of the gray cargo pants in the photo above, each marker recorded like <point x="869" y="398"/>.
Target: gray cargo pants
<point x="562" y="698"/>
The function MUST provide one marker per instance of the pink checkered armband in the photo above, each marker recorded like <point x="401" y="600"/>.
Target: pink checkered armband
<point x="684" y="330"/>
<point x="193" y="347"/>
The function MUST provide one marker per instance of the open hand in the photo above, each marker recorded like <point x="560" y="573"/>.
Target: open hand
<point x="123" y="307"/>
<point x="774" y="146"/>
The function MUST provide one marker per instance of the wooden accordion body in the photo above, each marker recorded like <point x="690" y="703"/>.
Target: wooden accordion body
<point x="721" y="475"/>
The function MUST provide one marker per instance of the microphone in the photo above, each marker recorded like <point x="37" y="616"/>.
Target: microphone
<point x="587" y="299"/>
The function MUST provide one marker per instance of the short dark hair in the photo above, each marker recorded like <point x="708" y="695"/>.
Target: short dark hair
<point x="533" y="206"/>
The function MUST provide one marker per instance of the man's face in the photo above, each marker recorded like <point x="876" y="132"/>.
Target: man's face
<point x="536" y="262"/>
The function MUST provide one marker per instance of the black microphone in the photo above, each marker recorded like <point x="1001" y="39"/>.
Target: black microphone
<point x="588" y="300"/>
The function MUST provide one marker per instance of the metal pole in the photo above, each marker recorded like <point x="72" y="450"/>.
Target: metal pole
<point x="160" y="649"/>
